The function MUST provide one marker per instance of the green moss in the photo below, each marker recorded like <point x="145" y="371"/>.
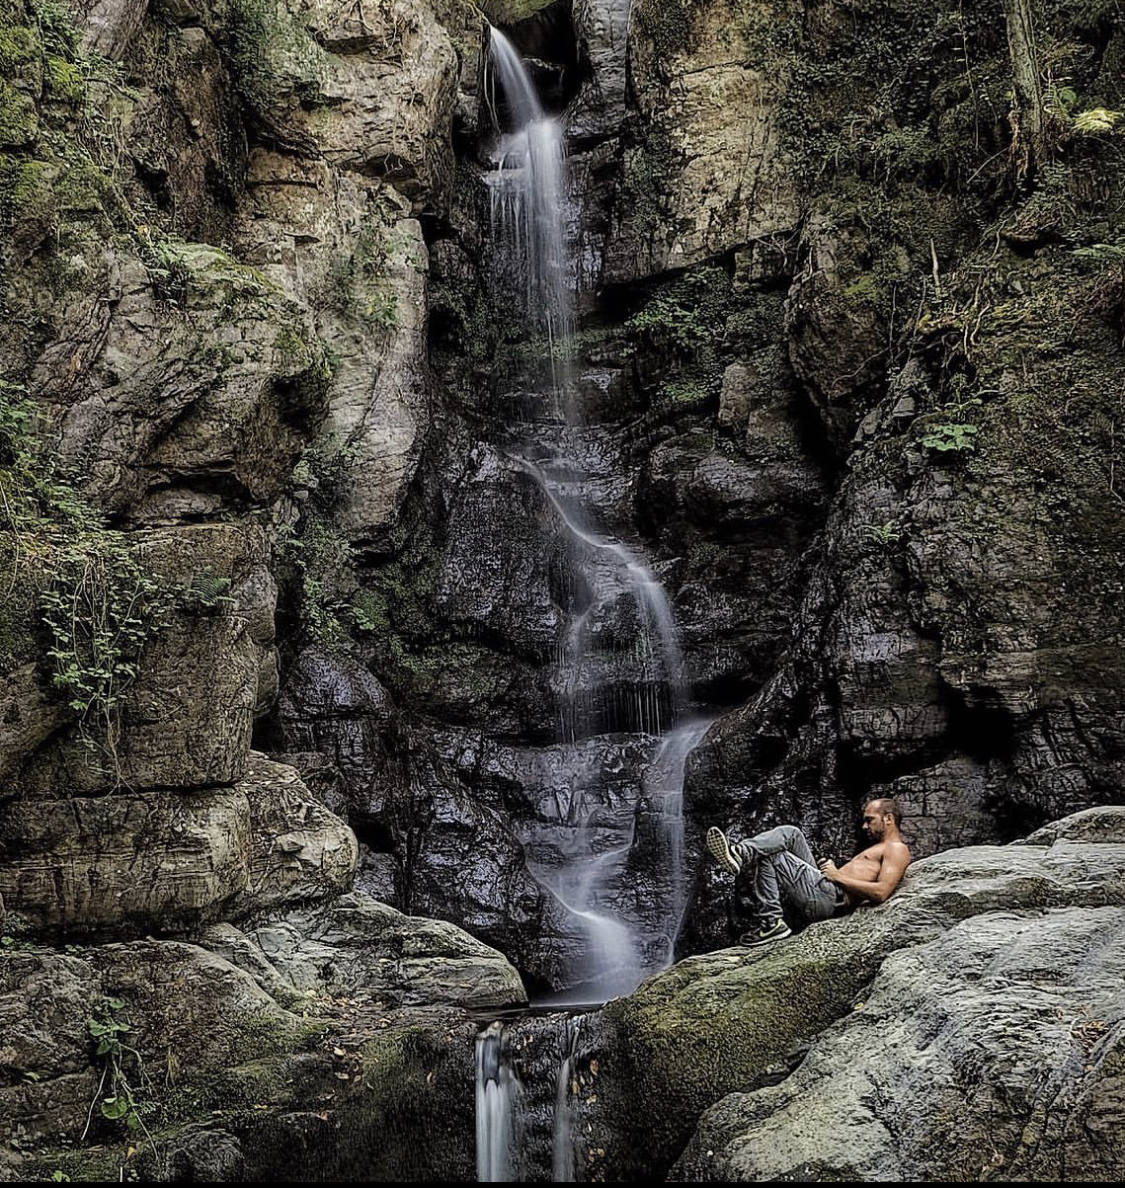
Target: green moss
<point x="273" y="56"/>
<point x="19" y="47"/>
<point x="713" y="1025"/>
<point x="66" y="81"/>
<point x="19" y="118"/>
<point x="79" y="187"/>
<point x="394" y="602"/>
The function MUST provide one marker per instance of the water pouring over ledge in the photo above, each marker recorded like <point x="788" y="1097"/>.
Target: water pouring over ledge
<point x="528" y="190"/>
<point x="606" y="839"/>
<point x="619" y="674"/>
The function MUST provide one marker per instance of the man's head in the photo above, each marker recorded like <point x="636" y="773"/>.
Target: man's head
<point x="879" y="814"/>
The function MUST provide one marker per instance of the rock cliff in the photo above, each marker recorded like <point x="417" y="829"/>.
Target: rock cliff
<point x="282" y="608"/>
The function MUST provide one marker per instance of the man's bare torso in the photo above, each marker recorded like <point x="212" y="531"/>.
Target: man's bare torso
<point x="867" y="864"/>
<point x="867" y="867"/>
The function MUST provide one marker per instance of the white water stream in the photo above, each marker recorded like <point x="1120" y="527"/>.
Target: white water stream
<point x="628" y="697"/>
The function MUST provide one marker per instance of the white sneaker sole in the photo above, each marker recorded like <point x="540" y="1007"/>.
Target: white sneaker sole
<point x="719" y="849"/>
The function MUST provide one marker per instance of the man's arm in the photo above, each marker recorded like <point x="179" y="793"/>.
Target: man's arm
<point x="896" y="858"/>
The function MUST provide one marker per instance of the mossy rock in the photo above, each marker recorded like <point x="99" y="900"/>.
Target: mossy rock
<point x="21" y="81"/>
<point x="721" y="1023"/>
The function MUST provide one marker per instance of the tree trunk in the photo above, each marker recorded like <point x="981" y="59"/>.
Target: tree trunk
<point x="1027" y="106"/>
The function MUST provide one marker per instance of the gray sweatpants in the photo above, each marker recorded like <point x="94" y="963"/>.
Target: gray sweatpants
<point x="779" y="871"/>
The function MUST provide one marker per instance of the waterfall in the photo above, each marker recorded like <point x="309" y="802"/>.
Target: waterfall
<point x="527" y="190"/>
<point x="562" y="1137"/>
<point x="495" y="1092"/>
<point x="624" y="733"/>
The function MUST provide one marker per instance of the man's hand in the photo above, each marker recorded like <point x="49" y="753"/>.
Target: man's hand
<point x="828" y="869"/>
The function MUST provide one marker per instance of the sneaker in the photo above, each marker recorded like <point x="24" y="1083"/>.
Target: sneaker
<point x="719" y="849"/>
<point x="770" y="930"/>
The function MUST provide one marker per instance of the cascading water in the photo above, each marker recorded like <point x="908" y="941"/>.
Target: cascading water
<point x="527" y="192"/>
<point x="606" y="837"/>
<point x="495" y="1092"/>
<point x="619" y="679"/>
<point x="562" y="1137"/>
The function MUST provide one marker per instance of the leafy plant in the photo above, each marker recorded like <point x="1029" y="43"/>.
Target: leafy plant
<point x="97" y="601"/>
<point x="883" y="535"/>
<point x="116" y="1098"/>
<point x="953" y="436"/>
<point x="206" y="590"/>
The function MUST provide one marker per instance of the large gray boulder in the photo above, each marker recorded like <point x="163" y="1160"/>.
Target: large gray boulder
<point x="991" y="1053"/>
<point x="971" y="1024"/>
<point x="356" y="946"/>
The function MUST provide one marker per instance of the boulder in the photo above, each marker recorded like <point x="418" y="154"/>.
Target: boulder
<point x="993" y="1052"/>
<point x="996" y="968"/>
<point x="356" y="946"/>
<point x="136" y="862"/>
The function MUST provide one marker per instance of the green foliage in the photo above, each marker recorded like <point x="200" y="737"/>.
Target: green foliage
<point x="316" y="554"/>
<point x="122" y="1076"/>
<point x="99" y="605"/>
<point x="206" y="591"/>
<point x="101" y="608"/>
<point x="911" y="90"/>
<point x="685" y="391"/>
<point x="687" y="314"/>
<point x="883" y="536"/>
<point x="1097" y="121"/>
<point x="946" y="436"/>
<point x="1101" y="253"/>
<point x="682" y="330"/>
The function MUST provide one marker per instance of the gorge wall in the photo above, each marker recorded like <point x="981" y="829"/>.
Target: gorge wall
<point x="281" y="612"/>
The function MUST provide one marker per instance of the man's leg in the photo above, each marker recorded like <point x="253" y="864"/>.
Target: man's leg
<point x="777" y="871"/>
<point x="732" y="855"/>
<point x="783" y="880"/>
<point x="783" y="839"/>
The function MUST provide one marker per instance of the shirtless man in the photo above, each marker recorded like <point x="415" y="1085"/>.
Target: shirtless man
<point x="777" y="870"/>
